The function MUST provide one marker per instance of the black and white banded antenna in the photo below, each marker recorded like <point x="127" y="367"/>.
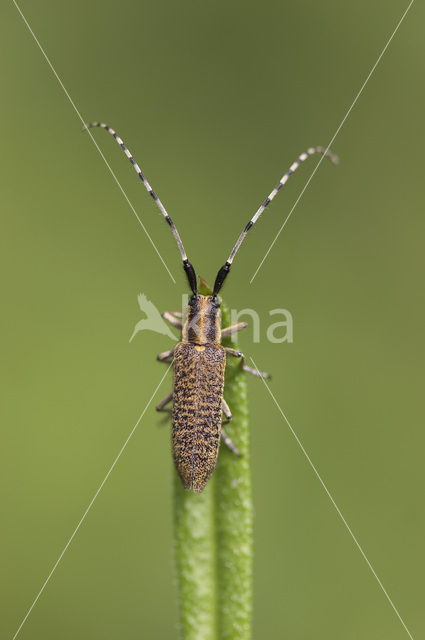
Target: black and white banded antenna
<point x="221" y="275"/>
<point x="189" y="270"/>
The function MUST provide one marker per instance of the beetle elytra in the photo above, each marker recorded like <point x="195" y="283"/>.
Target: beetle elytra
<point x="199" y="360"/>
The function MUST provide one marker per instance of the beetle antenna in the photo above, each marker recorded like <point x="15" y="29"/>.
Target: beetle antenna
<point x="221" y="275"/>
<point x="189" y="270"/>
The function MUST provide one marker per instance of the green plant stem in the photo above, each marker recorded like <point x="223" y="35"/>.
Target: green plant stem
<point x="213" y="531"/>
<point x="234" y="511"/>
<point x="195" y="562"/>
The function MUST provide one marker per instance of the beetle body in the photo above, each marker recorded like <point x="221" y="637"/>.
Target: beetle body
<point x="199" y="365"/>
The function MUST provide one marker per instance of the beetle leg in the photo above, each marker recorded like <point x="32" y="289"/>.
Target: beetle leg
<point x="173" y="318"/>
<point x="165" y="355"/>
<point x="234" y="328"/>
<point x="255" y="372"/>
<point x="160" y="406"/>
<point x="238" y="354"/>
<point x="234" y="353"/>
<point x="229" y="443"/>
<point x="226" y="410"/>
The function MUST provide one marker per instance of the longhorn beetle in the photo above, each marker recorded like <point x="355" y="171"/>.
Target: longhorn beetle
<point x="199" y="360"/>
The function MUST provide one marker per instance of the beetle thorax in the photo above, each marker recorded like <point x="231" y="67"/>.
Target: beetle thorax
<point x="203" y="321"/>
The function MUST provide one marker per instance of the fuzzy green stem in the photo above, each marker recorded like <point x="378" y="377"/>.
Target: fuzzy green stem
<point x="234" y="511"/>
<point x="195" y="561"/>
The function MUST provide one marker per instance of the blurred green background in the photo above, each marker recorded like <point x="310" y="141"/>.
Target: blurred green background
<point x="215" y="100"/>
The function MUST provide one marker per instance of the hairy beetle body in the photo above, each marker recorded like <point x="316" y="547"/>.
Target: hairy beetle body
<point x="199" y="364"/>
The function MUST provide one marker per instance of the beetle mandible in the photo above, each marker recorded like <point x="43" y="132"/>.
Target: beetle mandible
<point x="199" y="360"/>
